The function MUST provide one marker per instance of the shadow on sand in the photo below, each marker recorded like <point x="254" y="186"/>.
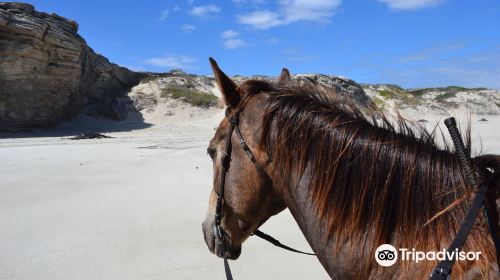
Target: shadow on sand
<point x="84" y="124"/>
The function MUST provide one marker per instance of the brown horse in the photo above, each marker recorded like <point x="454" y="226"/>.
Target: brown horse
<point x="351" y="182"/>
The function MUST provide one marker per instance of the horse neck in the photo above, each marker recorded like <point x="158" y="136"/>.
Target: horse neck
<point x="350" y="261"/>
<point x="295" y="196"/>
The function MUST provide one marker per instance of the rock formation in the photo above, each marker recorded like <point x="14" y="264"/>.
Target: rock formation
<point x="159" y="90"/>
<point x="441" y="100"/>
<point x="343" y="87"/>
<point x="48" y="73"/>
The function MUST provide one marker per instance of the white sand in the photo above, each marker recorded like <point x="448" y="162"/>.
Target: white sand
<point x="131" y="207"/>
<point x="112" y="209"/>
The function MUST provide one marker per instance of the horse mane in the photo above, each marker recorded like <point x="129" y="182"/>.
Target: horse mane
<point x="367" y="174"/>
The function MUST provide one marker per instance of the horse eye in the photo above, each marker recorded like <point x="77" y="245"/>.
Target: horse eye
<point x="211" y="152"/>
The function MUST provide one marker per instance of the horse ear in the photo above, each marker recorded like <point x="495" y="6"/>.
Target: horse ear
<point x="226" y="86"/>
<point x="285" y="77"/>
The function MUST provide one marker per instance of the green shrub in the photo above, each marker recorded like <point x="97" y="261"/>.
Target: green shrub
<point x="418" y="92"/>
<point x="386" y="93"/>
<point x="394" y="86"/>
<point x="193" y="97"/>
<point x="444" y="96"/>
<point x="449" y="89"/>
<point x="455" y="89"/>
<point x="400" y="93"/>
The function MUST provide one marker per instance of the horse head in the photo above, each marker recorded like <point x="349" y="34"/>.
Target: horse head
<point x="247" y="195"/>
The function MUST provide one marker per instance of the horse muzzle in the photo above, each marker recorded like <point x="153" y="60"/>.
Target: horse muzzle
<point x="219" y="243"/>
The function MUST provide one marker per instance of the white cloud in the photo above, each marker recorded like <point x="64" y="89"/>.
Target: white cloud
<point x="163" y="15"/>
<point x="172" y="61"/>
<point x="231" y="40"/>
<point x="290" y="11"/>
<point x="188" y="28"/>
<point x="205" y="10"/>
<point x="411" y="4"/>
<point x="229" y="34"/>
<point x="261" y="19"/>
<point x="313" y="10"/>
<point x="234" y="43"/>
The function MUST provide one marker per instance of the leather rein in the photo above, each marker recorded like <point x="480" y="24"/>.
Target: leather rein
<point x="488" y="203"/>
<point x="442" y="271"/>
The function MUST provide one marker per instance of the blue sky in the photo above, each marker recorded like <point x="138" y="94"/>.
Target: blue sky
<point x="414" y="43"/>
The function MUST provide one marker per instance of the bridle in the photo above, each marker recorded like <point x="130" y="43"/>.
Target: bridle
<point x="226" y="157"/>
<point x="443" y="270"/>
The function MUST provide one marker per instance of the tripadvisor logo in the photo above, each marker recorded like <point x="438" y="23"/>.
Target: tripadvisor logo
<point x="387" y="255"/>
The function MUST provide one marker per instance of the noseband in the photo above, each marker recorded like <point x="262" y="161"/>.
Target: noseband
<point x="226" y="157"/>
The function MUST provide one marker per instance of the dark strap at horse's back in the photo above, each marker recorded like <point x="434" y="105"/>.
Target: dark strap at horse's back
<point x="493" y="220"/>
<point x="443" y="270"/>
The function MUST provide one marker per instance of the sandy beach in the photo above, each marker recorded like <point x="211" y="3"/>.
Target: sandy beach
<point x="128" y="207"/>
<point x="131" y="206"/>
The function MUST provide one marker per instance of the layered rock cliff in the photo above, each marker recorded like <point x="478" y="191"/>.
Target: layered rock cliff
<point x="48" y="72"/>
